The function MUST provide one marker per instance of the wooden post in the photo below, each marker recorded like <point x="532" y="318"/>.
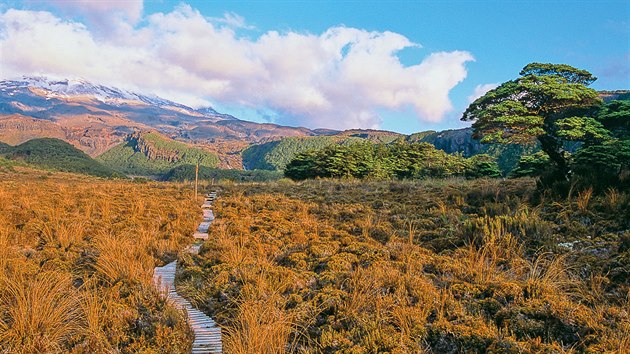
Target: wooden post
<point x="196" y="179"/>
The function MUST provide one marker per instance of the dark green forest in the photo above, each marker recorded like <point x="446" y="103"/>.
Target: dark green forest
<point x="386" y="161"/>
<point x="58" y="155"/>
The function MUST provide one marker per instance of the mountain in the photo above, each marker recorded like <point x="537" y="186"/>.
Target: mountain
<point x="377" y="136"/>
<point x="95" y="118"/>
<point x="113" y="124"/>
<point x="450" y="141"/>
<point x="51" y="153"/>
<point x="621" y="95"/>
<point x="152" y="154"/>
<point x="103" y="121"/>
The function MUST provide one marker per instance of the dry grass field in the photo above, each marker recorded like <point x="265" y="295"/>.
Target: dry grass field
<point x="420" y="266"/>
<point x="314" y="267"/>
<point x="76" y="262"/>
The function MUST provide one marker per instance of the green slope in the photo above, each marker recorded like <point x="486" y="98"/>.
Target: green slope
<point x="55" y="154"/>
<point x="4" y="147"/>
<point x="187" y="173"/>
<point x="276" y="155"/>
<point x="152" y="154"/>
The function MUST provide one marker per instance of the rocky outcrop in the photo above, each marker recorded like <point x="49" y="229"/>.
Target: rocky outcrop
<point x="451" y="141"/>
<point x="16" y="129"/>
<point x="141" y="143"/>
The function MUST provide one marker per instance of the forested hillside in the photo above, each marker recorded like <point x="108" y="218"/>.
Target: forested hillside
<point x="55" y="154"/>
<point x="462" y="141"/>
<point x="275" y="155"/>
<point x="387" y="161"/>
<point x="152" y="154"/>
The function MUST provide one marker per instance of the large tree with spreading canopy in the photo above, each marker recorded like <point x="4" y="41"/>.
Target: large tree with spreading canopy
<point x="548" y="104"/>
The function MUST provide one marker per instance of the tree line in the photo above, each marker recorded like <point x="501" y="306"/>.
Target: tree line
<point x="584" y="142"/>
<point x="399" y="160"/>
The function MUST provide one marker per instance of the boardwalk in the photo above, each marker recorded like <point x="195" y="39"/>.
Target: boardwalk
<point x="207" y="333"/>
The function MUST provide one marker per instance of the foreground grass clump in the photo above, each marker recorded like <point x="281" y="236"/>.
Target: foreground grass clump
<point x="76" y="261"/>
<point x="405" y="267"/>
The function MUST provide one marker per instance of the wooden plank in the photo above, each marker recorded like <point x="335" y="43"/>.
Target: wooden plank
<point x="204" y="226"/>
<point x="200" y="235"/>
<point x="207" y="333"/>
<point x="208" y="215"/>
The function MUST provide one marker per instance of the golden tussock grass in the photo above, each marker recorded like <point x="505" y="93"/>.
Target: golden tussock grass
<point x="413" y="266"/>
<point x="76" y="263"/>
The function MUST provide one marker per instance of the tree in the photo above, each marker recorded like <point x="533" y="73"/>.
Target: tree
<point x="482" y="165"/>
<point x="603" y="165"/>
<point x="303" y="166"/>
<point x="531" y="165"/>
<point x="547" y="103"/>
<point x="615" y="116"/>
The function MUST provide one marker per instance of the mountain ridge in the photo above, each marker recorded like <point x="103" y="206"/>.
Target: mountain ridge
<point x="94" y="118"/>
<point x="152" y="154"/>
<point x="97" y="118"/>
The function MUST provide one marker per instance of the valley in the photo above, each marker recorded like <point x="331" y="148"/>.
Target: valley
<point x="314" y="177"/>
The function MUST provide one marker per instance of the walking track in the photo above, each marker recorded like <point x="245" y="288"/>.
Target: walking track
<point x="207" y="332"/>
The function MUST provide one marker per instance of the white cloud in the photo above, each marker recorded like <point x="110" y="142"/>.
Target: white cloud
<point x="338" y="79"/>
<point x="481" y="90"/>
<point x="233" y="20"/>
<point x="102" y="10"/>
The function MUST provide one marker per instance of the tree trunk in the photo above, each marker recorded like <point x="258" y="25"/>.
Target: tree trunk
<point x="551" y="146"/>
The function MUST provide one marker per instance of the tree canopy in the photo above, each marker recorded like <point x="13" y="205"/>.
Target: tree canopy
<point x="548" y="104"/>
<point x="386" y="161"/>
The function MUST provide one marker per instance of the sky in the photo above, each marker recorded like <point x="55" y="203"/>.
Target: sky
<point x="405" y="66"/>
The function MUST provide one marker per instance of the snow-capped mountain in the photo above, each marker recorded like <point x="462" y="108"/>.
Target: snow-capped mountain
<point x="68" y="88"/>
<point x="94" y="117"/>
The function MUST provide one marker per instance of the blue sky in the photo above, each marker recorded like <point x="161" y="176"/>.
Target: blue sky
<point x="501" y="36"/>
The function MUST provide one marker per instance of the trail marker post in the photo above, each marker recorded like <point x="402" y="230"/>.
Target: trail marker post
<point x="196" y="179"/>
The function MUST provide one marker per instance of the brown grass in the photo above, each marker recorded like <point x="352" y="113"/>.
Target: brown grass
<point x="413" y="266"/>
<point x="76" y="262"/>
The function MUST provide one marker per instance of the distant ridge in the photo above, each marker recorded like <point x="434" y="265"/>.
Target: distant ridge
<point x="95" y="117"/>
<point x="98" y="118"/>
<point x="67" y="88"/>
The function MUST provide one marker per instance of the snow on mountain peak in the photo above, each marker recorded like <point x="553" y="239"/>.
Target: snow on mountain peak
<point x="81" y="87"/>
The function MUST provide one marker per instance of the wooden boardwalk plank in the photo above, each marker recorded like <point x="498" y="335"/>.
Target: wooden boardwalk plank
<point x="207" y="333"/>
<point x="208" y="215"/>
